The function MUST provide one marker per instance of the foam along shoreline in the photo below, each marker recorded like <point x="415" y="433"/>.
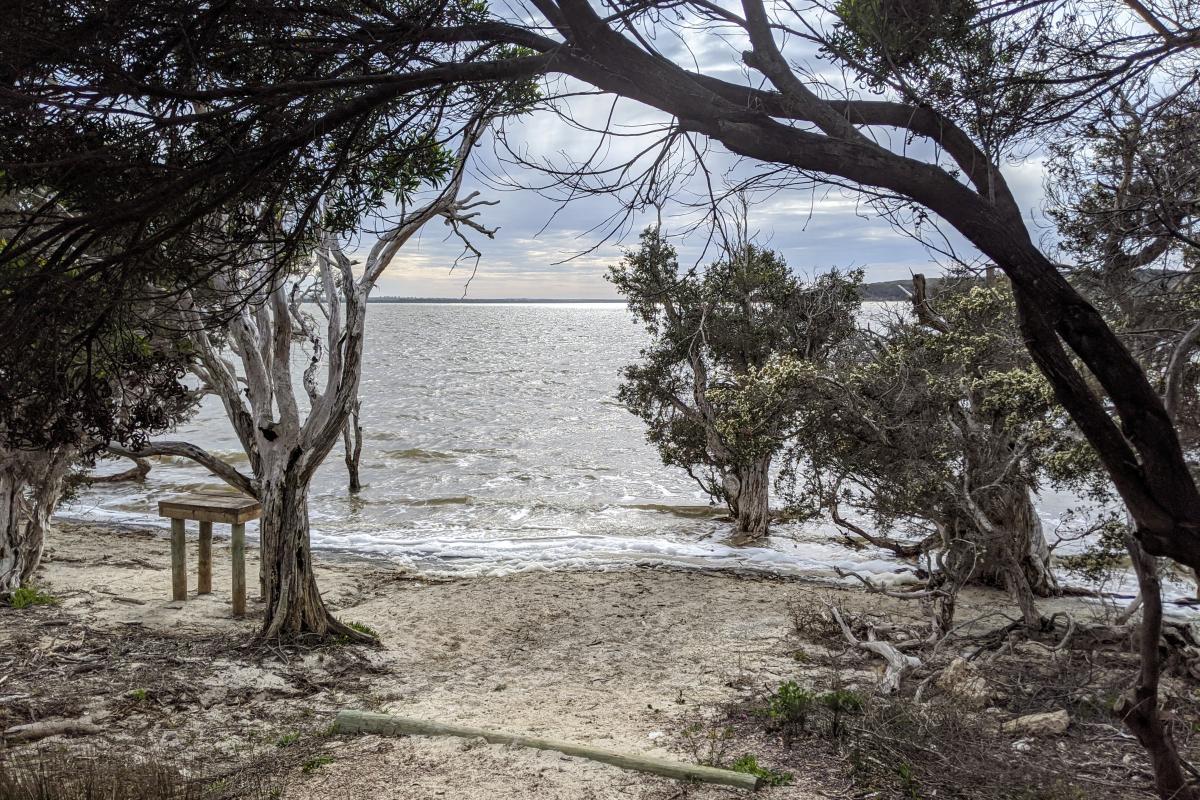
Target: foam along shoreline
<point x="495" y="553"/>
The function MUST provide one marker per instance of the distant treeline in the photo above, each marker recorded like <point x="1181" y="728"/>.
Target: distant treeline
<point x="893" y="290"/>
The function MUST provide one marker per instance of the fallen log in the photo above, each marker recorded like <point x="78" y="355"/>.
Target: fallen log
<point x="349" y="721"/>
<point x="34" y="731"/>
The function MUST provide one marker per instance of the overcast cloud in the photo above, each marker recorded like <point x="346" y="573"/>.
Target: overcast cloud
<point x="538" y="253"/>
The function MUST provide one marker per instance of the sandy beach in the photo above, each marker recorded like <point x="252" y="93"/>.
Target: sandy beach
<point x="627" y="660"/>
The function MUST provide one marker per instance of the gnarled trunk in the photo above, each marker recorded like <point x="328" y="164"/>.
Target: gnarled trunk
<point x="1008" y="545"/>
<point x="31" y="484"/>
<point x="1022" y="549"/>
<point x="286" y="577"/>
<point x="748" y="495"/>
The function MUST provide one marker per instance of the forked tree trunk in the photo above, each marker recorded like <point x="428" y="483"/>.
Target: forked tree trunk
<point x="748" y="495"/>
<point x="31" y="484"/>
<point x="286" y="577"/>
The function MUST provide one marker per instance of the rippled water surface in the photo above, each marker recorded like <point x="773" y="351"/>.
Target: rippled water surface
<point x="493" y="442"/>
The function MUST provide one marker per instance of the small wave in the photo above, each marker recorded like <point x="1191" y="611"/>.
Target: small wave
<point x="679" y="511"/>
<point x="418" y="454"/>
<point x="457" y="500"/>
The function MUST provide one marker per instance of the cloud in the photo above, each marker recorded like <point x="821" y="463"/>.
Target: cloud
<point x="548" y="248"/>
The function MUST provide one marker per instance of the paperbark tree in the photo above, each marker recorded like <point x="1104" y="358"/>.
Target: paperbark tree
<point x="1128" y="211"/>
<point x="56" y="414"/>
<point x="30" y="487"/>
<point x="939" y="429"/>
<point x="284" y="444"/>
<point x="352" y="443"/>
<point x="716" y="338"/>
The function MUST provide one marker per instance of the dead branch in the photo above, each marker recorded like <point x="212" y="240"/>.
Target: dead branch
<point x="899" y="664"/>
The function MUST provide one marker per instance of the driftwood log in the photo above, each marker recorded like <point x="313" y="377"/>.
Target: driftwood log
<point x="33" y="731"/>
<point x="349" y="721"/>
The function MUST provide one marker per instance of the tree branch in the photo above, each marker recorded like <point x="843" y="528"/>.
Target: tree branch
<point x="221" y="469"/>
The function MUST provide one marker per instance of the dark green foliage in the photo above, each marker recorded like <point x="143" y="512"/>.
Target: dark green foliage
<point x="984" y="71"/>
<point x="133" y="160"/>
<point x="315" y="763"/>
<point x="840" y="703"/>
<point x="940" y="438"/>
<point x="1123" y="193"/>
<point x="361" y="628"/>
<point x="790" y="707"/>
<point x="287" y="739"/>
<point x="905" y="33"/>
<point x="714" y="386"/>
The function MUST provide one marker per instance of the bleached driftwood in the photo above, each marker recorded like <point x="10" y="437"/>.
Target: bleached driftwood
<point x="33" y="731"/>
<point x="349" y="721"/>
<point x="898" y="664"/>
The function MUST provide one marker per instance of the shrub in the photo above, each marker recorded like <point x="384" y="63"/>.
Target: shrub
<point x="840" y="702"/>
<point x="789" y="708"/>
<point x="708" y="744"/>
<point x="315" y="763"/>
<point x="28" y="596"/>
<point x="287" y="739"/>
<point x="361" y="628"/>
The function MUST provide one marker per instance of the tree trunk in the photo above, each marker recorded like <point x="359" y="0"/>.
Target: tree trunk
<point x="1138" y="709"/>
<point x="1006" y="546"/>
<point x="352" y="435"/>
<point x="1023" y="546"/>
<point x="286" y="577"/>
<point x="748" y="494"/>
<point x="31" y="484"/>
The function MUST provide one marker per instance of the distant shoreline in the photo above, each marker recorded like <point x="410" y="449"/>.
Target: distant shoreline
<point x="871" y="292"/>
<point x="482" y="300"/>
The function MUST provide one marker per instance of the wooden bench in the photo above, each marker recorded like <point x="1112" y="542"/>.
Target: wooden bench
<point x="231" y="509"/>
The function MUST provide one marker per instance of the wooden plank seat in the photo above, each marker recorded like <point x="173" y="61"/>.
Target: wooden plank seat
<point x="234" y="510"/>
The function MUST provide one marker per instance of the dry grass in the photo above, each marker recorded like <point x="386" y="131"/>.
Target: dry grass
<point x="93" y="775"/>
<point x="904" y="749"/>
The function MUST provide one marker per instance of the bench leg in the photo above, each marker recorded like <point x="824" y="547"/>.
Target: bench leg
<point x="178" y="561"/>
<point x="204" y="564"/>
<point x="239" y="570"/>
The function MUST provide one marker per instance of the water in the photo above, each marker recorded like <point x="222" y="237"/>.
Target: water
<point x="493" y="443"/>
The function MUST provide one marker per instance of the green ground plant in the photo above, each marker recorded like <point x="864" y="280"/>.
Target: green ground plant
<point x="315" y="763"/>
<point x="28" y="596"/>
<point x="748" y="764"/>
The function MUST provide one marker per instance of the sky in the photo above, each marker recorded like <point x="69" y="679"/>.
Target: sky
<point x="544" y="250"/>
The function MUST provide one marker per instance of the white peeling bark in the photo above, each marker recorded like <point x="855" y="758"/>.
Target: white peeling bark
<point x="284" y="446"/>
<point x="31" y="484"/>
